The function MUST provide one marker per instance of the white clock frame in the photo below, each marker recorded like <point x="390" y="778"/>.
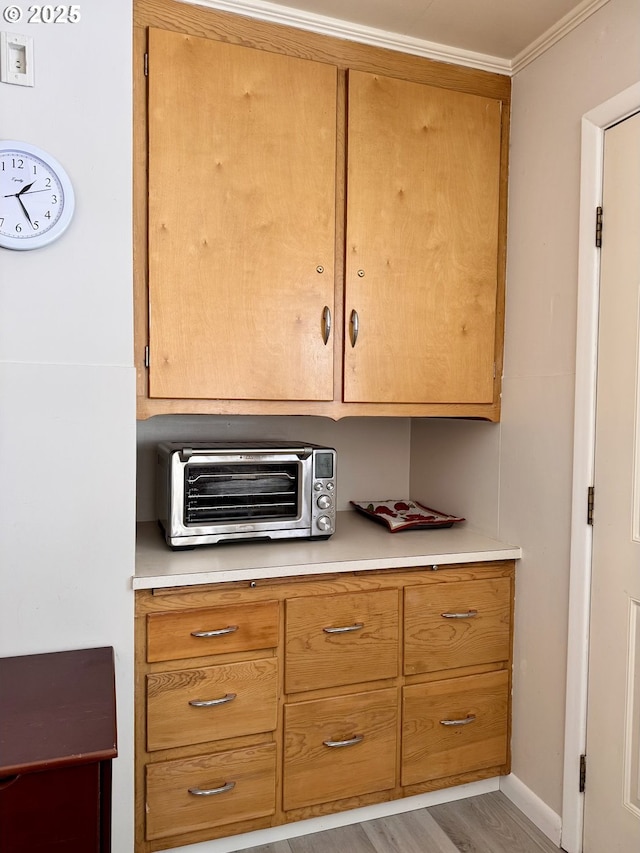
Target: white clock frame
<point x="41" y="237"/>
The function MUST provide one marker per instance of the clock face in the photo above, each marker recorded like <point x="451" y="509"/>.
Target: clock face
<point x="36" y="197"/>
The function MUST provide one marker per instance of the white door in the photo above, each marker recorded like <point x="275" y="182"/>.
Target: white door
<point x="612" y="793"/>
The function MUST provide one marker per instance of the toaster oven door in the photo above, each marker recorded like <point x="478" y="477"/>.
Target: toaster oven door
<point x="235" y="491"/>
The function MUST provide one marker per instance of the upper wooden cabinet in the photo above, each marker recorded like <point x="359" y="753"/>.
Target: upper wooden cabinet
<point x="422" y="243"/>
<point x="319" y="225"/>
<point x="241" y="221"/>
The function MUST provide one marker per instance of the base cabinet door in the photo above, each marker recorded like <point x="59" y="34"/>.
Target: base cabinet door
<point x="210" y="790"/>
<point x="339" y="747"/>
<point x="454" y="726"/>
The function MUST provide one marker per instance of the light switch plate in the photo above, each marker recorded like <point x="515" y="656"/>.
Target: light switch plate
<point x="16" y="59"/>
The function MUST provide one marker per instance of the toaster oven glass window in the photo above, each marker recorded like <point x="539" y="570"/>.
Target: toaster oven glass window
<point x="227" y="493"/>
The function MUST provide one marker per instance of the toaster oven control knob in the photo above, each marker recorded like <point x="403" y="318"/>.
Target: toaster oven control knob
<point x="317" y="487"/>
<point x="324" y="502"/>
<point x="324" y="523"/>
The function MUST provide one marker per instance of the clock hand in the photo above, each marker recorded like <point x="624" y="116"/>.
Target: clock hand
<point x="24" y="189"/>
<point x="31" y="192"/>
<point x="26" y="212"/>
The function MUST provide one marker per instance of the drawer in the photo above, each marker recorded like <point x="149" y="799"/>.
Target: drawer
<point x="212" y="631"/>
<point x="215" y="702"/>
<point x="317" y="769"/>
<point x="210" y="790"/>
<point x="456" y="624"/>
<point x="341" y="639"/>
<point x="454" y="726"/>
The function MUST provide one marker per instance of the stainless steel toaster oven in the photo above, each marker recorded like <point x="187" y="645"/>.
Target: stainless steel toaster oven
<point x="213" y="492"/>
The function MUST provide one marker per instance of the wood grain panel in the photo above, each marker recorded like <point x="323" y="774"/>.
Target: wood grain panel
<point x="172" y="810"/>
<point x="433" y="750"/>
<point x="173" y="721"/>
<point x="170" y="635"/>
<point x="434" y="642"/>
<point x="315" y="658"/>
<point x="241" y="221"/>
<point x="422" y="242"/>
<point x="316" y="773"/>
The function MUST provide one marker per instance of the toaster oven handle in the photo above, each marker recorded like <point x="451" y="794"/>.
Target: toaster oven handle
<point x="219" y="632"/>
<point x="301" y="451"/>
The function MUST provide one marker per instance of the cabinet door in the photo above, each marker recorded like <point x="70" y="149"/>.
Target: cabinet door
<point x="52" y="810"/>
<point x="241" y="221"/>
<point x="339" y="747"/>
<point x="422" y="242"/>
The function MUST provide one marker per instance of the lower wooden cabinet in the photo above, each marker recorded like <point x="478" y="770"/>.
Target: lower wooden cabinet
<point x="269" y="701"/>
<point x="339" y="747"/>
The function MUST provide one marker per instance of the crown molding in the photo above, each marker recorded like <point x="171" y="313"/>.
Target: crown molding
<point x="337" y="28"/>
<point x="277" y="14"/>
<point x="556" y="33"/>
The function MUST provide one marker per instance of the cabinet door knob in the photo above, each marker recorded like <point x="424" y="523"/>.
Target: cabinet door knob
<point x="354" y="322"/>
<point x="344" y="629"/>
<point x="465" y="722"/>
<point x="469" y="614"/>
<point x="338" y="743"/>
<point x="219" y="632"/>
<point x="210" y="703"/>
<point x="209" y="792"/>
<point x="326" y="324"/>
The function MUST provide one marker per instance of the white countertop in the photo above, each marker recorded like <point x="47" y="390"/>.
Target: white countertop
<point x="358" y="545"/>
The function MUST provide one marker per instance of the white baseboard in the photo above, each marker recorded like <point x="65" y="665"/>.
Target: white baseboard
<point x="533" y="807"/>
<point x="318" y="824"/>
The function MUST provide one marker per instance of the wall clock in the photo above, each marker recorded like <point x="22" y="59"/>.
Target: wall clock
<point x="36" y="196"/>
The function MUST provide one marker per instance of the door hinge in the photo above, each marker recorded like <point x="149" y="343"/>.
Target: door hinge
<point x="583" y="773"/>
<point x="598" y="227"/>
<point x="590" y="501"/>
<point x="146" y="65"/>
<point x="146" y="356"/>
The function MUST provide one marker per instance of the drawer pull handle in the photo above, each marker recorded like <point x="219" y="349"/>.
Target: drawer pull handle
<point x="338" y="743"/>
<point x="344" y="629"/>
<point x="470" y="719"/>
<point x="468" y="615"/>
<point x="220" y="632"/>
<point x="209" y="792"/>
<point x="209" y="703"/>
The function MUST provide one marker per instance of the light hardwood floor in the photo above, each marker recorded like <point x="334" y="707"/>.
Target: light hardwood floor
<point x="485" y="824"/>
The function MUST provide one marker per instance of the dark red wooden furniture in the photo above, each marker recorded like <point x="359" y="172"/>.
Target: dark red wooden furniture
<point x="57" y="740"/>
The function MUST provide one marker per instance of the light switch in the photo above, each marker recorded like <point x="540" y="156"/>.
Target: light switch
<point x="16" y="59"/>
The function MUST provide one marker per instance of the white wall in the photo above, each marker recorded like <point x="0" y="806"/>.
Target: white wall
<point x="67" y="413"/>
<point x="529" y="502"/>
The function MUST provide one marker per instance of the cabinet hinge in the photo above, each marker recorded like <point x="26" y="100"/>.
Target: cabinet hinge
<point x="146" y="356"/>
<point x="598" y="227"/>
<point x="146" y="65"/>
<point x="583" y="773"/>
<point x="590" y="501"/>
